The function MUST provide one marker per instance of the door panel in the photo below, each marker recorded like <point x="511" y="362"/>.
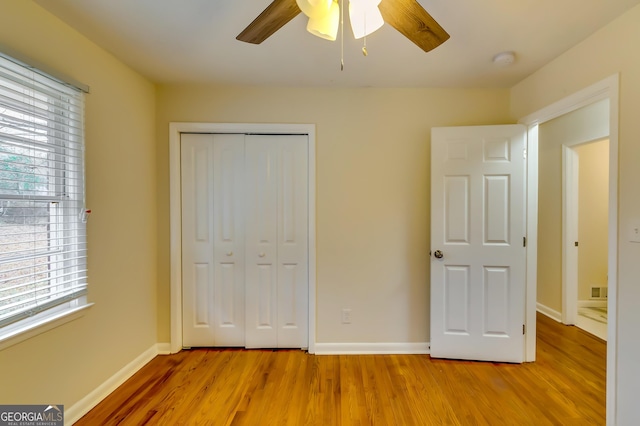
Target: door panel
<point x="266" y="286"/>
<point x="496" y="203"/>
<point x="245" y="254"/>
<point x="261" y="242"/>
<point x="293" y="242"/>
<point x="496" y="306"/>
<point x="200" y="299"/>
<point x="276" y="241"/>
<point x="477" y="287"/>
<point x="228" y="244"/>
<point x="456" y="306"/>
<point x="457" y="209"/>
<point x="212" y="240"/>
<point x="197" y="242"/>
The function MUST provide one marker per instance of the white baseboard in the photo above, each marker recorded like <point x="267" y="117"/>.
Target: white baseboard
<point x="82" y="407"/>
<point x="592" y="303"/>
<point x="371" y="348"/>
<point x="164" y="348"/>
<point x="551" y="313"/>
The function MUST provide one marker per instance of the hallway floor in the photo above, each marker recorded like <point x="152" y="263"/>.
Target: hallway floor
<point x="593" y="320"/>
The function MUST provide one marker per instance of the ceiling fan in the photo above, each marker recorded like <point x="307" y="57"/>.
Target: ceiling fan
<point x="406" y="16"/>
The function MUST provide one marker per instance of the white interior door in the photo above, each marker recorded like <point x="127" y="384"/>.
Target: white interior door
<point x="212" y="240"/>
<point x="276" y="241"/>
<point x="244" y="240"/>
<point x="477" y="243"/>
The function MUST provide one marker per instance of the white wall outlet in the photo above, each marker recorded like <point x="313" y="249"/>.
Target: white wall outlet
<point x="346" y="316"/>
<point x="634" y="231"/>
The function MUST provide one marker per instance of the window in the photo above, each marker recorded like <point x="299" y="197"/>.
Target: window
<point x="43" y="251"/>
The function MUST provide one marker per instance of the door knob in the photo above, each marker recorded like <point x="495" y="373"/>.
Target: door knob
<point x="261" y="255"/>
<point x="229" y="253"/>
<point x="438" y="254"/>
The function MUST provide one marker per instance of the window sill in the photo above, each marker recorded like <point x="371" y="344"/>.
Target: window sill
<point x="32" y="327"/>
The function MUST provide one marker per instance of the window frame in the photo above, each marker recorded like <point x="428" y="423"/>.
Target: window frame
<point x="61" y="228"/>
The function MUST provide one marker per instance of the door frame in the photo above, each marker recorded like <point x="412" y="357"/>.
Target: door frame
<point x="175" y="211"/>
<point x="607" y="88"/>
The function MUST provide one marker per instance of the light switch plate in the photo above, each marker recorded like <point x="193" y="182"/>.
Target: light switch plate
<point x="634" y="231"/>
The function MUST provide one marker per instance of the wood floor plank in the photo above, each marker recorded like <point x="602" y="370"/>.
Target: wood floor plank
<point x="565" y="386"/>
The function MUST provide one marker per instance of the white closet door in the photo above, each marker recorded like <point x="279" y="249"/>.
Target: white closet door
<point x="213" y="240"/>
<point x="276" y="241"/>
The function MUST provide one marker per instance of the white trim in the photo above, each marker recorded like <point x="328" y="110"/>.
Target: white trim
<point x="175" y="129"/>
<point x="164" y="348"/>
<point x="532" y="245"/>
<point x="592" y="303"/>
<point x="587" y="96"/>
<point x="551" y="313"/>
<point x="570" y="179"/>
<point x="371" y="348"/>
<point x="93" y="398"/>
<point x="607" y="88"/>
<point x="593" y="327"/>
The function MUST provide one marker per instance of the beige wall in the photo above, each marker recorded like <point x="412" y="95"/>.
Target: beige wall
<point x="583" y="125"/>
<point x="372" y="198"/>
<point x="373" y="156"/>
<point x="593" y="216"/>
<point x="65" y="364"/>
<point x="613" y="49"/>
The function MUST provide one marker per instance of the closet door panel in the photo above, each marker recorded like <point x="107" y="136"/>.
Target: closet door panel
<point x="292" y="241"/>
<point x="261" y="249"/>
<point x="228" y="252"/>
<point x="212" y="240"/>
<point x="198" y="322"/>
<point x="245" y="240"/>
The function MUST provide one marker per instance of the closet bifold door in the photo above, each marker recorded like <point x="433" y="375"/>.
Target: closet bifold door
<point x="276" y="247"/>
<point x="213" y="302"/>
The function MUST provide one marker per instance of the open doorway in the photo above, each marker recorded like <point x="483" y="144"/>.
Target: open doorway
<point x="593" y="193"/>
<point x="573" y="191"/>
<point x="585" y="192"/>
<point x="607" y="92"/>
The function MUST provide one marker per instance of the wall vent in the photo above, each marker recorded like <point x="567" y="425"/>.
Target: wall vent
<point x="599" y="292"/>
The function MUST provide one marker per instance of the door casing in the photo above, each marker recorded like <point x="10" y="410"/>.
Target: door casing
<point x="175" y="211"/>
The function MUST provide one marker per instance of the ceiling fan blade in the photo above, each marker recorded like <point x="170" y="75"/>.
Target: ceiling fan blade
<point x="408" y="17"/>
<point x="278" y="13"/>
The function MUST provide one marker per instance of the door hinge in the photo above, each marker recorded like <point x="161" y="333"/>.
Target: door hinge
<point x="524" y="154"/>
<point x="524" y="241"/>
<point x="523" y="328"/>
<point x="575" y="244"/>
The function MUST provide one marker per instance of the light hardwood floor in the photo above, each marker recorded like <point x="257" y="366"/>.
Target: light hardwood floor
<point x="565" y="386"/>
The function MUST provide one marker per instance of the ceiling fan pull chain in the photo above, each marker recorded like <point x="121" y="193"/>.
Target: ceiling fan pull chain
<point x="364" y="47"/>
<point x="341" y="35"/>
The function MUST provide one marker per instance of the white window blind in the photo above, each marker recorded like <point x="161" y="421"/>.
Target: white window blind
<point x="42" y="232"/>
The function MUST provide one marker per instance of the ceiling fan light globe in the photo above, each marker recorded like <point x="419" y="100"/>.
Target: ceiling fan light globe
<point x="315" y="8"/>
<point x="326" y="26"/>
<point x="365" y="17"/>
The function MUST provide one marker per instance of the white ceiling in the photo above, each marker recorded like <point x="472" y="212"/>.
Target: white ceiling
<point x="194" y="41"/>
